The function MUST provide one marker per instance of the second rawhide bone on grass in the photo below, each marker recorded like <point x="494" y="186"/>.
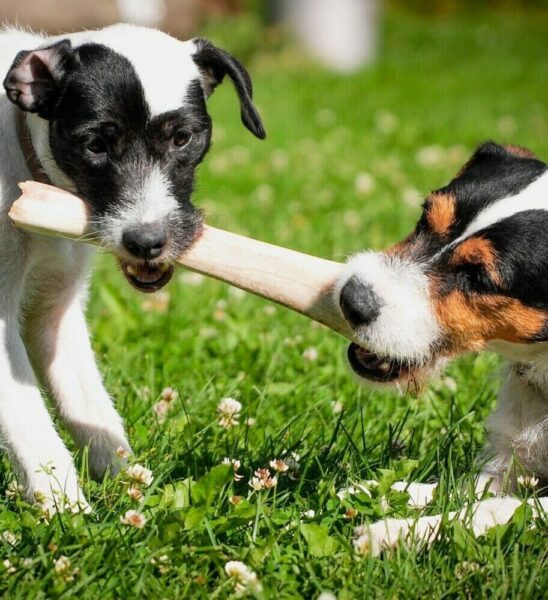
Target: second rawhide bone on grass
<point x="298" y="281"/>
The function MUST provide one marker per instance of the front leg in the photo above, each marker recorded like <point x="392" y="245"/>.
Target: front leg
<point x="61" y="350"/>
<point x="479" y="517"/>
<point x="27" y="432"/>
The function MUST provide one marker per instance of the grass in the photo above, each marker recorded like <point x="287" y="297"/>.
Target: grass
<point x="344" y="167"/>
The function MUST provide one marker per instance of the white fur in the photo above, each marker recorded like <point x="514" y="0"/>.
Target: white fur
<point x="402" y="288"/>
<point x="42" y="327"/>
<point x="165" y="81"/>
<point x="533" y="197"/>
<point x="150" y="201"/>
<point x="480" y="517"/>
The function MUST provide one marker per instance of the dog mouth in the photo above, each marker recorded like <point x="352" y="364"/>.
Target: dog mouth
<point x="147" y="277"/>
<point x="374" y="367"/>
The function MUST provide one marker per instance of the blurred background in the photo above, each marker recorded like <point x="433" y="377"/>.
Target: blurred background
<point x="368" y="105"/>
<point x="343" y="34"/>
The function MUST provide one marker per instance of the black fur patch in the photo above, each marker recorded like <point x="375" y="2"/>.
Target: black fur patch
<point x="103" y="137"/>
<point x="491" y="173"/>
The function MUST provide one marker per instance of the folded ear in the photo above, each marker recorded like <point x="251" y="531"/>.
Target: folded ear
<point x="33" y="81"/>
<point x="214" y="64"/>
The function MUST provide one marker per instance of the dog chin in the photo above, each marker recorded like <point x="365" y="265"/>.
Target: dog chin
<point x="147" y="277"/>
<point x="382" y="372"/>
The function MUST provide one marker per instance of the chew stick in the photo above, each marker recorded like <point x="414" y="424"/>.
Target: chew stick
<point x="298" y="281"/>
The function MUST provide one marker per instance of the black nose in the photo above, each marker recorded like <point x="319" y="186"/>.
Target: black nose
<point x="359" y="303"/>
<point x="146" y="241"/>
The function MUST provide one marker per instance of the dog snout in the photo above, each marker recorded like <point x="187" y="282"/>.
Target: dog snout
<point x="359" y="302"/>
<point x="146" y="242"/>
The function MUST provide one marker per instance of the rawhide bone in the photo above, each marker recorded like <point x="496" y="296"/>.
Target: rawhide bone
<point x="298" y="281"/>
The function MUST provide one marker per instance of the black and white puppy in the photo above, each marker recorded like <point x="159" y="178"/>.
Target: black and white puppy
<point x="119" y="117"/>
<point x="473" y="275"/>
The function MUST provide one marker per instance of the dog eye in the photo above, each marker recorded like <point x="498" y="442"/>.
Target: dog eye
<point x="181" y="138"/>
<point x="97" y="146"/>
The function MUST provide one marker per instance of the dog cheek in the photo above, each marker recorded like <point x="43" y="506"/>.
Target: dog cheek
<point x="469" y="323"/>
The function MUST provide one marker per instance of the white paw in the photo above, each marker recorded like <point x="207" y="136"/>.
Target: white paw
<point x="107" y="453"/>
<point x="53" y="492"/>
<point x="388" y="533"/>
<point x="420" y="494"/>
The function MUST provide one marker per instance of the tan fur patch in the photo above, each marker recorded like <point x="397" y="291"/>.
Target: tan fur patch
<point x="440" y="212"/>
<point x="472" y="321"/>
<point x="519" y="151"/>
<point x="478" y="251"/>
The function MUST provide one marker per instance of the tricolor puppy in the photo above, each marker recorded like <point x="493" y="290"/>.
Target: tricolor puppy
<point x="473" y="275"/>
<point x="118" y="116"/>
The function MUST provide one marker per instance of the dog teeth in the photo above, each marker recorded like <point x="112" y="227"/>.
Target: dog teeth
<point x="384" y="366"/>
<point x="131" y="270"/>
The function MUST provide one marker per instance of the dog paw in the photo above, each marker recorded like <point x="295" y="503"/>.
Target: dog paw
<point x="53" y="489"/>
<point x="108" y="453"/>
<point x="420" y="494"/>
<point x="372" y="539"/>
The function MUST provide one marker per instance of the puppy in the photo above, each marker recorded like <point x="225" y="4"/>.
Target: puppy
<point x="473" y="275"/>
<point x="117" y="115"/>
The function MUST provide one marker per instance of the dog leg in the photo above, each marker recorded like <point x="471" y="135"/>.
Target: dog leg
<point x="420" y="494"/>
<point x="63" y="355"/>
<point x="479" y="517"/>
<point x="39" y="455"/>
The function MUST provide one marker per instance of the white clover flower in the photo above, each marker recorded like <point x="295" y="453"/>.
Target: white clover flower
<point x="169" y="394"/>
<point x="134" y="518"/>
<point x="279" y="465"/>
<point x="465" y="568"/>
<point x="327" y="596"/>
<point x="386" y="122"/>
<point x="121" y="452"/>
<point x="412" y="197"/>
<point x="158" y="302"/>
<point x="9" y="566"/>
<point x="134" y="493"/>
<point x="161" y="409"/>
<point x="250" y="422"/>
<point x="310" y="354"/>
<point x="528" y="481"/>
<point x="229" y="412"/>
<point x="61" y="564"/>
<point x="450" y="384"/>
<point x="256" y="484"/>
<point x="140" y="474"/>
<point x="344" y="493"/>
<point x="242" y="575"/>
<point x="236" y="464"/>
<point x="161" y="563"/>
<point x="236" y="292"/>
<point x="337" y="406"/>
<point x="190" y="278"/>
<point x="263" y="480"/>
<point x="270" y="482"/>
<point x="308" y="514"/>
<point x="14" y="489"/>
<point x="428" y="156"/>
<point x="364" y="183"/>
<point x="9" y="537"/>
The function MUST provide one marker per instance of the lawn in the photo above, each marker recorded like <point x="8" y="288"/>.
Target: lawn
<point x="345" y="165"/>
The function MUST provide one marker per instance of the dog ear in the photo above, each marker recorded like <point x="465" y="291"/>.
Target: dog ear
<point x="33" y="81"/>
<point x="214" y="64"/>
